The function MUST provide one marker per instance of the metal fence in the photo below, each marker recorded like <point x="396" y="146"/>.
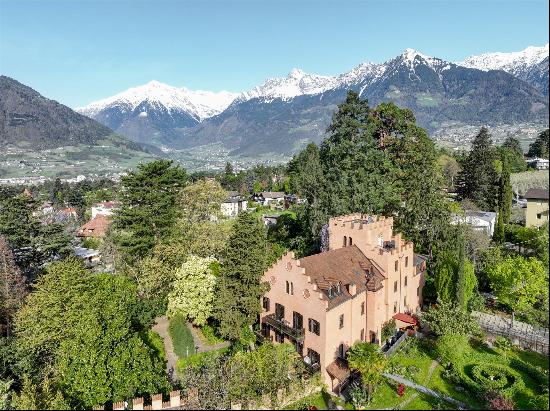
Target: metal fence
<point x="525" y="335"/>
<point x="391" y="350"/>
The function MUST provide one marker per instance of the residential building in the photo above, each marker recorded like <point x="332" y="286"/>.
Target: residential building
<point x="105" y="208"/>
<point x="96" y="227"/>
<point x="233" y="204"/>
<point x="324" y="303"/>
<point x="536" y="213"/>
<point x="90" y="257"/>
<point x="270" y="197"/>
<point x="539" y="163"/>
<point x="480" y="220"/>
<point x="270" y="220"/>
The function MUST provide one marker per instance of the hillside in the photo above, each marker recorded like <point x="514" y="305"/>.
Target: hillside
<point x="39" y="136"/>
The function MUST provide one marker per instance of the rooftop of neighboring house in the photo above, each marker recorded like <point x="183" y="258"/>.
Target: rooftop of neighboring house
<point x="272" y="194"/>
<point x="82" y="252"/>
<point x="96" y="227"/>
<point x="536" y="194"/>
<point x="333" y="271"/>
<point x="68" y="210"/>
<point x="483" y="215"/>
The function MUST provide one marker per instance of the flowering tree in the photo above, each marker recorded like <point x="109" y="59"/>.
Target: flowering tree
<point x="193" y="290"/>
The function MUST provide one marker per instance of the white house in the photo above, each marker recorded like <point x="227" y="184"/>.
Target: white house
<point x="89" y="256"/>
<point x="233" y="204"/>
<point x="539" y="163"/>
<point x="272" y="197"/>
<point x="480" y="220"/>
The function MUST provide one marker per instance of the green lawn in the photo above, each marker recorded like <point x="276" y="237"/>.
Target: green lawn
<point x="181" y="337"/>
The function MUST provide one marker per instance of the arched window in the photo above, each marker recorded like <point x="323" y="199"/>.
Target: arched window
<point x="345" y="241"/>
<point x="341" y="351"/>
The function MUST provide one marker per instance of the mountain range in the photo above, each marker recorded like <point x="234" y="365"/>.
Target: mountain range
<point x="283" y="114"/>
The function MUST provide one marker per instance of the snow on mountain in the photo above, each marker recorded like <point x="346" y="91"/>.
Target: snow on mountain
<point x="516" y="63"/>
<point x="297" y="83"/>
<point x="199" y="104"/>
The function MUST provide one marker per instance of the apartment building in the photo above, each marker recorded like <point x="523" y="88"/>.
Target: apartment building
<point x="324" y="303"/>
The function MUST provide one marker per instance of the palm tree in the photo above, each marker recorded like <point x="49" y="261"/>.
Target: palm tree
<point x="369" y="360"/>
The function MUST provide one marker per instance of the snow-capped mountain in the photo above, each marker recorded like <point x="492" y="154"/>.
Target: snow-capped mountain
<point x="198" y="103"/>
<point x="530" y="65"/>
<point x="282" y="114"/>
<point x="297" y="83"/>
<point x="155" y="112"/>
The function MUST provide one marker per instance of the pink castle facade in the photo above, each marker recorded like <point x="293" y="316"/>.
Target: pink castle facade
<point x="324" y="303"/>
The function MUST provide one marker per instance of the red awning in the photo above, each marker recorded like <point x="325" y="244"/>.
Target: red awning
<point x="406" y="318"/>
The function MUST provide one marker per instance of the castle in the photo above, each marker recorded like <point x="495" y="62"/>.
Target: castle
<point x="324" y="303"/>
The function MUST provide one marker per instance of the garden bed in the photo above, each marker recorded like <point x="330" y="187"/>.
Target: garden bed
<point x="182" y="339"/>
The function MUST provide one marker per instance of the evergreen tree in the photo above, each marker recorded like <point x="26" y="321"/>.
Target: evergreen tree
<point x="498" y="234"/>
<point x="511" y="152"/>
<point x="539" y="148"/>
<point x="504" y="202"/>
<point x="478" y="177"/>
<point x="53" y="242"/>
<point x="239" y="288"/>
<point x="12" y="287"/>
<point x="148" y="209"/>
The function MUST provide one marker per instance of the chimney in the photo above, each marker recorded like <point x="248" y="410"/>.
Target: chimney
<point x="352" y="289"/>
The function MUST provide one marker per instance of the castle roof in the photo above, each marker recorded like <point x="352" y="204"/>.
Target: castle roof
<point x="341" y="267"/>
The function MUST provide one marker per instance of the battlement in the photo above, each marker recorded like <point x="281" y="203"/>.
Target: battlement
<point x="156" y="403"/>
<point x="360" y="221"/>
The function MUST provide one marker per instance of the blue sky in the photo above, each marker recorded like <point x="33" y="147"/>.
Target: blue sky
<point x="77" y="51"/>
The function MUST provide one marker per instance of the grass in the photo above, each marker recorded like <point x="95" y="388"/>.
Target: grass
<point x="182" y="339"/>
<point x="208" y="335"/>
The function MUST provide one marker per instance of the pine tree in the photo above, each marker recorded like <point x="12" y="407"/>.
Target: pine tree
<point x="239" y="287"/>
<point x="539" y="148"/>
<point x="461" y="277"/>
<point x="12" y="286"/>
<point x="148" y="209"/>
<point x="478" y="177"/>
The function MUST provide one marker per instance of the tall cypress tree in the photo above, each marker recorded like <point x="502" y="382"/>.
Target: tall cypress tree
<point x="239" y="287"/>
<point x="478" y="178"/>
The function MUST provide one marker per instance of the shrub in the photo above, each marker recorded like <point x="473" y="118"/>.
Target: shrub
<point x="536" y="373"/>
<point x="496" y="401"/>
<point x="388" y="329"/>
<point x="483" y="376"/>
<point x="490" y="376"/>
<point x="503" y="343"/>
<point x="451" y="346"/>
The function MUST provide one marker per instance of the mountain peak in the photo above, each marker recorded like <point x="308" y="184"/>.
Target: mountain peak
<point x="296" y="73"/>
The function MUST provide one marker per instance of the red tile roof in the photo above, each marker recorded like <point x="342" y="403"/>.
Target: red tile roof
<point x="97" y="227"/>
<point x="406" y="318"/>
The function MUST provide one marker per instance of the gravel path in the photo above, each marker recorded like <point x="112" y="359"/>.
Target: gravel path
<point x="161" y="327"/>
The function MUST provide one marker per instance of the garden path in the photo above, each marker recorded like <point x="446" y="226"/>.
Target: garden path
<point x="425" y="390"/>
<point x="201" y="346"/>
<point x="161" y="327"/>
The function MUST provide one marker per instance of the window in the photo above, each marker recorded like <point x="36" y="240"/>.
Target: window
<point x="395" y="307"/>
<point x="341" y="321"/>
<point x="373" y="337"/>
<point x="418" y="291"/>
<point x="362" y="308"/>
<point x="406" y="261"/>
<point x="539" y="216"/>
<point x="405" y="301"/>
<point x="345" y="241"/>
<point x="279" y="311"/>
<point x="405" y="281"/>
<point x="300" y="348"/>
<point x="314" y="356"/>
<point x="297" y="321"/>
<point x="265" y="304"/>
<point x="350" y="241"/>
<point x="362" y="334"/>
<point x="395" y="287"/>
<point x="314" y="326"/>
<point x="396" y="265"/>
<point x="341" y="351"/>
<point x="279" y="337"/>
<point x="291" y="288"/>
<point x="287" y="287"/>
<point x="338" y="288"/>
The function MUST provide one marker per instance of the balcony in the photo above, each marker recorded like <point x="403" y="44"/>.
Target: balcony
<point x="284" y="328"/>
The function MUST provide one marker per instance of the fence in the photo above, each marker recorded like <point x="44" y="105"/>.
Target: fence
<point x="524" y="335"/>
<point x="391" y="350"/>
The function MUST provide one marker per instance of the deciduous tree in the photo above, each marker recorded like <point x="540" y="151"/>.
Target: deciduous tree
<point x="370" y="362"/>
